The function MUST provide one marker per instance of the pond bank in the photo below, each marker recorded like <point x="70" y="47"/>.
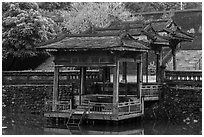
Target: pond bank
<point x="179" y="104"/>
<point x="29" y="124"/>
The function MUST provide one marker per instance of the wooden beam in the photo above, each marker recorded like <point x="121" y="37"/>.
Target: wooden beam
<point x="55" y="88"/>
<point x="115" y="87"/>
<point x="65" y="64"/>
<point x="127" y="60"/>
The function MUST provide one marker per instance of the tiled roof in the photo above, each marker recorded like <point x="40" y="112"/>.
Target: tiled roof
<point x="159" y="31"/>
<point x="103" y="43"/>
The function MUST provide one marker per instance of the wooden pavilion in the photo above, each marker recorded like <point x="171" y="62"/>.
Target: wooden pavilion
<point x="109" y="49"/>
<point x="102" y="52"/>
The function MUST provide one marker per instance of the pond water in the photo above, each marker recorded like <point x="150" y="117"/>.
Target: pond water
<point x="21" y="124"/>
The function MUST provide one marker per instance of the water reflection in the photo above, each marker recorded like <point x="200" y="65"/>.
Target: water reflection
<point x="99" y="128"/>
<point x="95" y="130"/>
<point x="19" y="124"/>
<point x="171" y="128"/>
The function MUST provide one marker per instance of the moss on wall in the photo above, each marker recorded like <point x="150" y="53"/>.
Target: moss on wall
<point x="179" y="104"/>
<point x="27" y="99"/>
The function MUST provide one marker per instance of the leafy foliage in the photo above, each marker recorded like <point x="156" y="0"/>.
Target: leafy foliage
<point x="25" y="24"/>
<point x="84" y="15"/>
<point x="50" y="6"/>
<point x="192" y="5"/>
<point x="135" y="7"/>
<point x="23" y="27"/>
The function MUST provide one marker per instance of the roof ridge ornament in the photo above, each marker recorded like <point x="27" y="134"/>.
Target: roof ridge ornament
<point x="125" y="36"/>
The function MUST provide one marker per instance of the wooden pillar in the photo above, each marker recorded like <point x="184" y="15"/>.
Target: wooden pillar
<point x="84" y="77"/>
<point x="139" y="78"/>
<point x="82" y="83"/>
<point x="124" y="76"/>
<point x="104" y="77"/>
<point x="157" y="67"/>
<point x="174" y="58"/>
<point x="159" y="63"/>
<point x="55" y="88"/>
<point x="161" y="67"/>
<point x="115" y="87"/>
<point x="108" y="73"/>
<point x="147" y="63"/>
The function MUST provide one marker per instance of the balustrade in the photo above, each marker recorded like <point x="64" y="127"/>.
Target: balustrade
<point x="129" y="107"/>
<point x="123" y="108"/>
<point x="151" y="90"/>
<point x="101" y="108"/>
<point x="190" y="77"/>
<point x="61" y="106"/>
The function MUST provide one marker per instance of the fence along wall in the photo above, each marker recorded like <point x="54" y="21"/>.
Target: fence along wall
<point x="69" y="82"/>
<point x="44" y="77"/>
<point x="188" y="78"/>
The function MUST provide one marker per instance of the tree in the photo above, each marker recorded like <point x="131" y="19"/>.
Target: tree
<point x="135" y="7"/>
<point x="50" y="6"/>
<point x="192" y="5"/>
<point x="98" y="14"/>
<point x="23" y="27"/>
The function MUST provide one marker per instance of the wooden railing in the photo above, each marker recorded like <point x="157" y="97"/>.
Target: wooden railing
<point x="129" y="107"/>
<point x="151" y="91"/>
<point x="61" y="106"/>
<point x="100" y="108"/>
<point x="123" y="107"/>
<point x="191" y="77"/>
<point x="44" y="77"/>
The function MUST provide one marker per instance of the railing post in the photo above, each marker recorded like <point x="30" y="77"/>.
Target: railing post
<point x="129" y="106"/>
<point x="142" y="106"/>
<point x="70" y="104"/>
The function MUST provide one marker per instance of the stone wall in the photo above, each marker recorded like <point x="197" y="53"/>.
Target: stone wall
<point x="29" y="98"/>
<point x="180" y="104"/>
